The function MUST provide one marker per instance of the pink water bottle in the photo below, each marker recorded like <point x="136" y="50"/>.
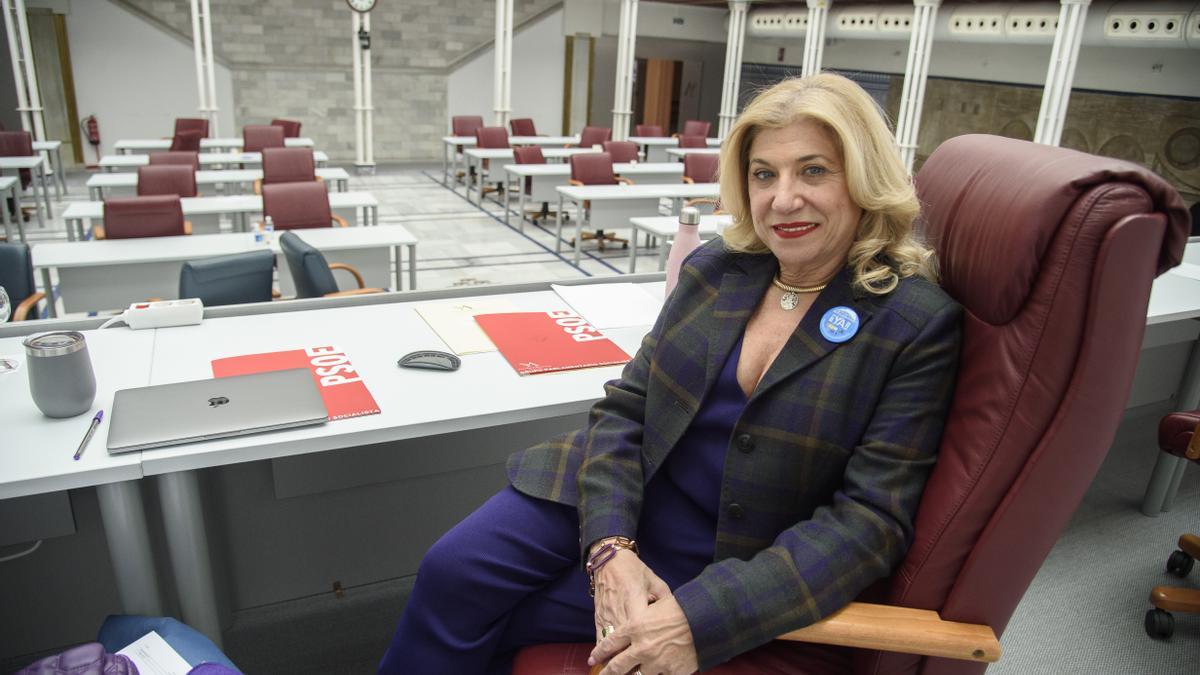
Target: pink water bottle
<point x="687" y="239"/>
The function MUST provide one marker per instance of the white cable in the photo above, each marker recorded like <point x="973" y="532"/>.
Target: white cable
<point x="22" y="554"/>
<point x="115" y="319"/>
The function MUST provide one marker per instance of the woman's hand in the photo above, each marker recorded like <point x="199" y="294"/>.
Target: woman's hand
<point x="657" y="640"/>
<point x="625" y="586"/>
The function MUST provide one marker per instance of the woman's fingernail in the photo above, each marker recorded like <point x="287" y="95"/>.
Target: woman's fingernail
<point x="591" y="661"/>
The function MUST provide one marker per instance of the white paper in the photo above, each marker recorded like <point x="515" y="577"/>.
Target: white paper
<point x="605" y="306"/>
<point x="454" y="322"/>
<point x="1188" y="270"/>
<point x="153" y="656"/>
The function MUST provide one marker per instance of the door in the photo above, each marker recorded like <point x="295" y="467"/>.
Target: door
<point x="56" y="85"/>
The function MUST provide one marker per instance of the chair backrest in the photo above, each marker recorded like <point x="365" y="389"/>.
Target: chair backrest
<point x="166" y="179"/>
<point x="491" y="137"/>
<point x="1052" y="254"/>
<point x="594" y="136"/>
<point x="295" y="206"/>
<point x="528" y="154"/>
<point x="255" y="137"/>
<point x="291" y="128"/>
<point x="690" y="141"/>
<point x="288" y="165"/>
<point x="229" y="279"/>
<point x="18" y="144"/>
<point x="696" y="128"/>
<point x="310" y="271"/>
<point x="465" y="125"/>
<point x="181" y="158"/>
<point x="191" y="124"/>
<point x="16" y="273"/>
<point x="622" y="151"/>
<point x="593" y="168"/>
<point x="700" y="167"/>
<point x="186" y="141"/>
<point x="648" y="131"/>
<point x="131" y="217"/>
<point x="522" y="126"/>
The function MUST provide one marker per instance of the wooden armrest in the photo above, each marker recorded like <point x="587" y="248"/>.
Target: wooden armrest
<point x="258" y="186"/>
<point x="622" y="179"/>
<point x="97" y="232"/>
<point x="187" y="227"/>
<point x="715" y="203"/>
<point x="340" y="221"/>
<point x="575" y="182"/>
<point x="356" y="291"/>
<point x="675" y="135"/>
<point x="275" y="294"/>
<point x="320" y="179"/>
<point x="1193" y="448"/>
<point x="688" y="180"/>
<point x="901" y="629"/>
<point x="349" y="268"/>
<point x="26" y="306"/>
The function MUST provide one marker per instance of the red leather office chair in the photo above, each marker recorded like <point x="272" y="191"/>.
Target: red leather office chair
<point x="1177" y="436"/>
<point x="1052" y="253"/>
<point x="596" y="168"/>
<point x="693" y="142"/>
<point x="649" y="131"/>
<point x="166" y="179"/>
<point x="286" y="165"/>
<point x="622" y="151"/>
<point x="132" y="217"/>
<point x="531" y="154"/>
<point x="256" y="137"/>
<point x="18" y="144"/>
<point x="191" y="124"/>
<point x="465" y="125"/>
<point x="522" y="126"/>
<point x="190" y="158"/>
<point x="594" y="136"/>
<point x="186" y="141"/>
<point x="295" y="206"/>
<point x="291" y="128"/>
<point x="491" y="137"/>
<point x="700" y="168"/>
<point x="695" y="128"/>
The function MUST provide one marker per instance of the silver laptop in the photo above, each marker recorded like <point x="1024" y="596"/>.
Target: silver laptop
<point x="183" y="412"/>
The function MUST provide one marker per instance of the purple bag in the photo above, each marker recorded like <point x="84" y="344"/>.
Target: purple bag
<point x="89" y="659"/>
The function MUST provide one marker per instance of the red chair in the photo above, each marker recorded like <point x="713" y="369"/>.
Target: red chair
<point x="596" y="168"/>
<point x="18" y="144"/>
<point x="256" y="137"/>
<point x="522" y="126"/>
<point x="166" y="179"/>
<point x="700" y="168"/>
<point x="1051" y="253"/>
<point x="133" y="217"/>
<point x="693" y="142"/>
<point x="490" y="137"/>
<point x="190" y="158"/>
<point x="186" y="141"/>
<point x="649" y="131"/>
<point x="295" y="206"/>
<point x="291" y="128"/>
<point x="187" y="124"/>
<point x="286" y="165"/>
<point x="695" y="128"/>
<point x="591" y="136"/>
<point x="622" y="151"/>
<point x="531" y="154"/>
<point x="465" y="125"/>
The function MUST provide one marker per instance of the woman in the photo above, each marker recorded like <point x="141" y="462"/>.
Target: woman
<point x="766" y="448"/>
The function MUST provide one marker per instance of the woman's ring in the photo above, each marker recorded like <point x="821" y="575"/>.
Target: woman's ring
<point x="606" y="631"/>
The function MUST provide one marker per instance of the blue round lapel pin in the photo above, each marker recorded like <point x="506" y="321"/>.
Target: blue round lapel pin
<point x="839" y="324"/>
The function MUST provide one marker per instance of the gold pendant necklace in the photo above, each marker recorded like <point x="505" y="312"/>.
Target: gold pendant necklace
<point x="791" y="294"/>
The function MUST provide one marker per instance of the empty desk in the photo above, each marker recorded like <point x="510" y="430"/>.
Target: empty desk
<point x="664" y="229"/>
<point x="53" y="150"/>
<point x="99" y="183"/>
<point x="146" y="145"/>
<point x="36" y="164"/>
<point x="546" y="177"/>
<point x="655" y="147"/>
<point x="10" y="188"/>
<point x="477" y="156"/>
<point x="678" y="153"/>
<point x="450" y="145"/>
<point x="207" y="159"/>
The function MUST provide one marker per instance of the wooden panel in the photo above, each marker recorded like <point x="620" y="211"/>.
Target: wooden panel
<point x="660" y="84"/>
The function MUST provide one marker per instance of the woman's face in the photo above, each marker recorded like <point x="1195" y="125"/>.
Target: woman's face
<point x="799" y="201"/>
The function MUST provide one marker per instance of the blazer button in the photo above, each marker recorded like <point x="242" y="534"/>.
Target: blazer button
<point x="745" y="442"/>
<point x="736" y="511"/>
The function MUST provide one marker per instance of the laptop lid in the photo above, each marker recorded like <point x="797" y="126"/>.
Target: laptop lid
<point x="183" y="412"/>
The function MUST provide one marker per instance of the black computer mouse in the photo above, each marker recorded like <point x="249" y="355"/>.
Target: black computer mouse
<point x="430" y="360"/>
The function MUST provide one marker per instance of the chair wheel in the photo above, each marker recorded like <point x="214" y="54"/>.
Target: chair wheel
<point x="1159" y="624"/>
<point x="1180" y="564"/>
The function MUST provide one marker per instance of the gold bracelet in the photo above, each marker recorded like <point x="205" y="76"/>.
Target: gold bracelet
<point x="605" y="553"/>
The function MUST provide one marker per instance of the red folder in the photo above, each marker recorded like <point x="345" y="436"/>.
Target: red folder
<point x="545" y="342"/>
<point x="341" y="388"/>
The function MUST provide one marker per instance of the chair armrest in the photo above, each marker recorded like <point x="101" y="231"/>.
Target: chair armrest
<point x="349" y="268"/>
<point x="258" y="186"/>
<point x="622" y="179"/>
<point x="320" y="179"/>
<point x="187" y="227"/>
<point x="97" y="232"/>
<point x="715" y="203"/>
<point x="688" y="180"/>
<point x="356" y="291"/>
<point x="575" y="182"/>
<point x="340" y="221"/>
<point x="22" y="310"/>
<point x="675" y="135"/>
<point x="901" y="629"/>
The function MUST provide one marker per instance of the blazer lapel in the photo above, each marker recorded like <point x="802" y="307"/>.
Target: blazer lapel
<point x="741" y="289"/>
<point x="807" y="345"/>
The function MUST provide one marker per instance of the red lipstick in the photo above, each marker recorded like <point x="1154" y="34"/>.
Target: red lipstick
<point x="794" y="230"/>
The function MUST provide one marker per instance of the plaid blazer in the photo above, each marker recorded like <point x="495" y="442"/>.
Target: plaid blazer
<point x="825" y="466"/>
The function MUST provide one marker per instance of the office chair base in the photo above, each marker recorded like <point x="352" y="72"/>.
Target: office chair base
<point x="601" y="237"/>
<point x="1180" y="564"/>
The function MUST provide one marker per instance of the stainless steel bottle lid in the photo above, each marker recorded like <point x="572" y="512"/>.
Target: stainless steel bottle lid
<point x="59" y="343"/>
<point x="689" y="215"/>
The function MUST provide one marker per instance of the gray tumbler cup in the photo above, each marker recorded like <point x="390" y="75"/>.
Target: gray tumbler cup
<point x="61" y="379"/>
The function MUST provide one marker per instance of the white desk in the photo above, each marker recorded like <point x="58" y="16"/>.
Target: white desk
<point x="209" y="159"/>
<point x="655" y="146"/>
<point x="100" y="182"/>
<point x="130" y="146"/>
<point x="547" y="177"/>
<point x="10" y="187"/>
<point x="615" y="205"/>
<point x="477" y="156"/>
<point x="80" y="214"/>
<point x="56" y="164"/>
<point x="678" y="153"/>
<point x="113" y="273"/>
<point x="36" y="164"/>
<point x="450" y="145"/>
<point x="664" y="228"/>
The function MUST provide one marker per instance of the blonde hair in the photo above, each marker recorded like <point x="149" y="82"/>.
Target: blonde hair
<point x="884" y="248"/>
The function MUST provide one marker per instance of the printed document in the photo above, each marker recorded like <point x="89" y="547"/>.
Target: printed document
<point x="605" y="306"/>
<point x="153" y="656"/>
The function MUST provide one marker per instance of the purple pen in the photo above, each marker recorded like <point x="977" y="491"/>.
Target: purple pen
<point x="91" y="430"/>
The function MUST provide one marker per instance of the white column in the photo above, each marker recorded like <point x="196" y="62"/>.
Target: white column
<point x="626" y="64"/>
<point x="29" y="102"/>
<point x="502" y="85"/>
<point x="1061" y="73"/>
<point x="214" y="129"/>
<point x="368" y="106"/>
<point x="814" y="37"/>
<point x="198" y="49"/>
<point x="915" y="73"/>
<point x="733" y="65"/>
<point x="360" y="156"/>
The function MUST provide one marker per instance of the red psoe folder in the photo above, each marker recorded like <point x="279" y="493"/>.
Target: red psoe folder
<point x="546" y="342"/>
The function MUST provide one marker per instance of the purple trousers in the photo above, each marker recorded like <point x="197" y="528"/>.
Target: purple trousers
<point x="506" y="577"/>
